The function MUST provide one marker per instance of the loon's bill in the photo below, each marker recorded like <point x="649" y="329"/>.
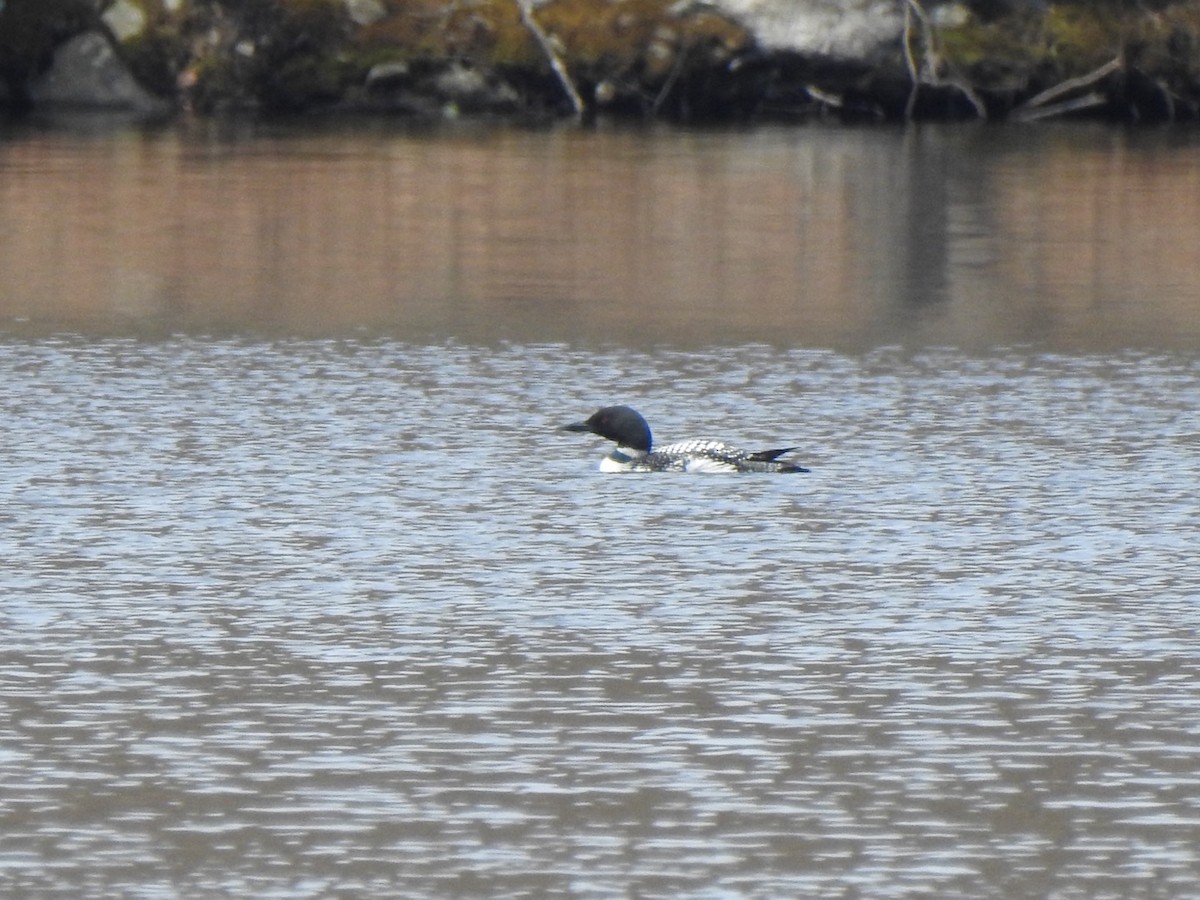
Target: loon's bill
<point x="626" y="427"/>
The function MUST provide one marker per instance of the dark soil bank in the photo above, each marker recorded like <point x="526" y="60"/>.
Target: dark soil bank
<point x="684" y="61"/>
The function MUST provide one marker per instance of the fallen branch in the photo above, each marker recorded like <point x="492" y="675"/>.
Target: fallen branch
<point x="1028" y="110"/>
<point x="1087" y="101"/>
<point x="556" y="63"/>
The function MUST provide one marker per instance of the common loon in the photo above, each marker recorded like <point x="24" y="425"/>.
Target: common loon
<point x="633" y="454"/>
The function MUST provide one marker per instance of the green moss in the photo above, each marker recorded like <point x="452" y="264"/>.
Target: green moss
<point x="599" y="34"/>
<point x="297" y="52"/>
<point x="486" y="32"/>
<point x="216" y="85"/>
<point x="409" y="30"/>
<point x="1167" y="45"/>
<point x="492" y="33"/>
<point x="1162" y="42"/>
<point x="998" y="54"/>
<point x="596" y="38"/>
<point x="161" y="51"/>
<point x="278" y="55"/>
<point x="1079" y="39"/>
<point x="639" y="49"/>
<point x="614" y="37"/>
<point x="1070" y="39"/>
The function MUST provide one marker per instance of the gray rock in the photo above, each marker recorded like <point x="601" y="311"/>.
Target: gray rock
<point x="366" y="12"/>
<point x="849" y="30"/>
<point x="88" y="74"/>
<point x="470" y="90"/>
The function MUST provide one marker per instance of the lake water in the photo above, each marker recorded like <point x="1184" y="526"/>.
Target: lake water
<point x="304" y="594"/>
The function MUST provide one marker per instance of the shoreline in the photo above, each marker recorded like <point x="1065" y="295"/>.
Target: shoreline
<point x="635" y="60"/>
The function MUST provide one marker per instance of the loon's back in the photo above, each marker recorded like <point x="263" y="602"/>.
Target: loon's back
<point x="716" y="456"/>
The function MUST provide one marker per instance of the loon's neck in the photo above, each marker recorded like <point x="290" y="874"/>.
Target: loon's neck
<point x="621" y="459"/>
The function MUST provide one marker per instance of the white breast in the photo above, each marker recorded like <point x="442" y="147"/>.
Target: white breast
<point x="608" y="464"/>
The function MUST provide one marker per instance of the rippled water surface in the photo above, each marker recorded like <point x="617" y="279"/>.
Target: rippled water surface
<point x="304" y="617"/>
<point x="303" y="593"/>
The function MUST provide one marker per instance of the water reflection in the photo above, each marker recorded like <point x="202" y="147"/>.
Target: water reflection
<point x="1077" y="238"/>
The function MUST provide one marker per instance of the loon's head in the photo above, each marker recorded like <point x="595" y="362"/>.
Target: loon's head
<point x="617" y="423"/>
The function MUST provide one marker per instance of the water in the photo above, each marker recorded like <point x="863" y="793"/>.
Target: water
<point x="288" y="611"/>
<point x="1078" y="239"/>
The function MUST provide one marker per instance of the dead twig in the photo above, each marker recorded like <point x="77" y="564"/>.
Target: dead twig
<point x="556" y="63"/>
<point x="824" y="98"/>
<point x="972" y="98"/>
<point x="669" y="83"/>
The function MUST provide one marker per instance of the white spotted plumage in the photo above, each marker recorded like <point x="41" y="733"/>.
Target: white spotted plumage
<point x="634" y="452"/>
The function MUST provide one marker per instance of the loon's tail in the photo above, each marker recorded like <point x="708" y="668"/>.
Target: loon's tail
<point x="767" y="456"/>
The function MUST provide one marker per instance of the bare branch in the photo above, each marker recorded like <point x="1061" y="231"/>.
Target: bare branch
<point x="672" y="77"/>
<point x="910" y="60"/>
<point x="1027" y="109"/>
<point x="969" y="93"/>
<point x="556" y="63"/>
<point x="929" y="70"/>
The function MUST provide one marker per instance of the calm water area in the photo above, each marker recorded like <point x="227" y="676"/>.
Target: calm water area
<point x="303" y="593"/>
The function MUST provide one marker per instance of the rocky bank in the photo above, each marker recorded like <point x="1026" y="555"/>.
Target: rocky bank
<point x="679" y="60"/>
